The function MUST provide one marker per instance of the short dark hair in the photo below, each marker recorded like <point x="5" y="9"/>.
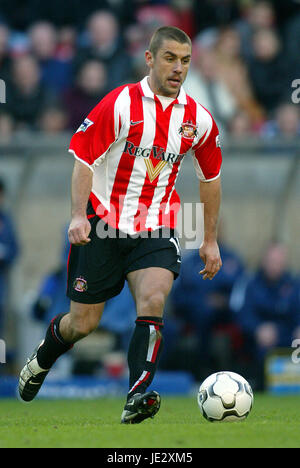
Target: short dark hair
<point x="168" y="33"/>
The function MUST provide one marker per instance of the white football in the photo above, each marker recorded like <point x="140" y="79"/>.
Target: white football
<point x="225" y="396"/>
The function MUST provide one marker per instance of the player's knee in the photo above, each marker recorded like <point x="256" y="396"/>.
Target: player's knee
<point x="152" y="304"/>
<point x="82" y="327"/>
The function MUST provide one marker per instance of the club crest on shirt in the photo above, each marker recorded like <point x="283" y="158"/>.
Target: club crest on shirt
<point x="80" y="284"/>
<point x="188" y="130"/>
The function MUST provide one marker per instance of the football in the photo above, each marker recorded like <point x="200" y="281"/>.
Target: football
<point x="225" y="396"/>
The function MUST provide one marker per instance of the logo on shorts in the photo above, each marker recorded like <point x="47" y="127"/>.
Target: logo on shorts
<point x="80" y="284"/>
<point x="188" y="130"/>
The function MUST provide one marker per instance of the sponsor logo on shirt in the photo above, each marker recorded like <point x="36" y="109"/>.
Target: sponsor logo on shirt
<point x="155" y="151"/>
<point x="163" y="156"/>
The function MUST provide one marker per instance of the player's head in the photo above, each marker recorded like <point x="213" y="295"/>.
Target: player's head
<point x="168" y="58"/>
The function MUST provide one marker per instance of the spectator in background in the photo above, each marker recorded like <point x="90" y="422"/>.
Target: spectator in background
<point x="26" y="95"/>
<point x="5" y="59"/>
<point x="286" y="123"/>
<point x="72" y="12"/>
<point x="53" y="120"/>
<point x="91" y="85"/>
<point x="184" y="11"/>
<point x="56" y="72"/>
<point x="9" y="249"/>
<point x="6" y="128"/>
<point x="269" y="70"/>
<point x="215" y="13"/>
<point x="292" y="43"/>
<point x="204" y="310"/>
<point x="104" y="43"/>
<point x="255" y="16"/>
<point x="240" y="126"/>
<point x="233" y="71"/>
<point x="148" y="18"/>
<point x="204" y="84"/>
<point x="267" y="313"/>
<point x="66" y="43"/>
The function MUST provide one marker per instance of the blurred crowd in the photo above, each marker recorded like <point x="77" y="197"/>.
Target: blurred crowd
<point x="58" y="60"/>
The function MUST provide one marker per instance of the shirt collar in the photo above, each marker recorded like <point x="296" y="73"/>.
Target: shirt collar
<point x="146" y="91"/>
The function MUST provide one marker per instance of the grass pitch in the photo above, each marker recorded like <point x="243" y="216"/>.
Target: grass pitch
<point x="273" y="422"/>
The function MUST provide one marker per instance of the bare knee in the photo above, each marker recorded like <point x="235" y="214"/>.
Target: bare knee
<point x="81" y="326"/>
<point x="150" y="288"/>
<point x="151" y="304"/>
<point x="80" y="322"/>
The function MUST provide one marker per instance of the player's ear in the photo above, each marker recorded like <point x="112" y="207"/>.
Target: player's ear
<point x="149" y="58"/>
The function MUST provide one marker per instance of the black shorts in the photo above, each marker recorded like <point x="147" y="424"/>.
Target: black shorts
<point x="97" y="271"/>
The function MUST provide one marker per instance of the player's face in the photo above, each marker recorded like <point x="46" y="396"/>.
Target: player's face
<point x="169" y="67"/>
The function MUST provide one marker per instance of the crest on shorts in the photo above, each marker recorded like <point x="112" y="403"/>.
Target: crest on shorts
<point x="188" y="130"/>
<point x="80" y="284"/>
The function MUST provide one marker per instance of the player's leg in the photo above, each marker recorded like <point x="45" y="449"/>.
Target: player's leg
<point x="150" y="288"/>
<point x="64" y="330"/>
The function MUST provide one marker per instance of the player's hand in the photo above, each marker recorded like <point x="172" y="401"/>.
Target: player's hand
<point x="79" y="230"/>
<point x="210" y="254"/>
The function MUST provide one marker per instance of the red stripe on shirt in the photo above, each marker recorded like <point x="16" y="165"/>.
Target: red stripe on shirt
<point x="170" y="219"/>
<point x="126" y="163"/>
<point x="160" y="141"/>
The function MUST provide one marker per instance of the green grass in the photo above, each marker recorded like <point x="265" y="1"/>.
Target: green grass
<point x="274" y="422"/>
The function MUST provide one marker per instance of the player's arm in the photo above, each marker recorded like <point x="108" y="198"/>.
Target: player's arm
<point x="210" y="196"/>
<point x="81" y="187"/>
<point x="207" y="161"/>
<point x="89" y="145"/>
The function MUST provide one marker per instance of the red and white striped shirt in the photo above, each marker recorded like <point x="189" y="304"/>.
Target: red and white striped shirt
<point x="135" y="146"/>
